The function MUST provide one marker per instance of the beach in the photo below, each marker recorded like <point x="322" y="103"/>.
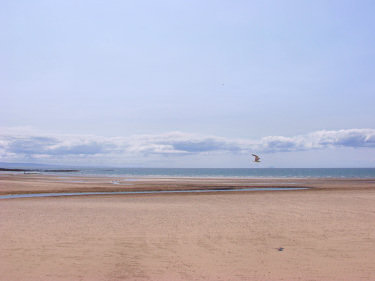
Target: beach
<point x="325" y="232"/>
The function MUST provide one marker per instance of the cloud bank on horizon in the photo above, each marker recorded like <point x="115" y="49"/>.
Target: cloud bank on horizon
<point x="17" y="146"/>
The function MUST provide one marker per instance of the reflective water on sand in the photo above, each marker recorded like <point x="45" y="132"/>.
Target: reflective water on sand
<point x="32" y="195"/>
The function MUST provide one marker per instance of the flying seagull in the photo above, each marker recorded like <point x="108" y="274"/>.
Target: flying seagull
<point x="257" y="158"/>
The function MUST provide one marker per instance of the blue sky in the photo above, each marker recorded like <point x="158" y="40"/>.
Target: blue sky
<point x="188" y="83"/>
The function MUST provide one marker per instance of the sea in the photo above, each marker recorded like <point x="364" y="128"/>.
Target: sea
<point x="222" y="172"/>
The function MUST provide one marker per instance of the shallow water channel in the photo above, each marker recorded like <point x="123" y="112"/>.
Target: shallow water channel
<point x="32" y="195"/>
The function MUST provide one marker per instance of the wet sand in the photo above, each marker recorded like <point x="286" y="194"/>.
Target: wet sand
<point x="326" y="232"/>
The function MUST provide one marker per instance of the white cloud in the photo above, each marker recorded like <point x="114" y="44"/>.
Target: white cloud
<point x="17" y="145"/>
<point x="354" y="138"/>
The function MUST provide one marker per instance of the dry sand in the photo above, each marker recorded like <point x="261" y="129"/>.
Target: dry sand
<point x="327" y="232"/>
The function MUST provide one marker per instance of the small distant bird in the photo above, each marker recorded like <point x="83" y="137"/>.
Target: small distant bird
<point x="256" y="158"/>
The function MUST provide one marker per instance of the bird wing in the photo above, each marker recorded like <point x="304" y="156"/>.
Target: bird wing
<point x="256" y="157"/>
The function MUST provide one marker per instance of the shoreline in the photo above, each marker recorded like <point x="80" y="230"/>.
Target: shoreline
<point x="37" y="183"/>
<point x="206" y="173"/>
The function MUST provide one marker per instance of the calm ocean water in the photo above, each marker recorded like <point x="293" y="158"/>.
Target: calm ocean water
<point x="242" y="173"/>
<point x="208" y="172"/>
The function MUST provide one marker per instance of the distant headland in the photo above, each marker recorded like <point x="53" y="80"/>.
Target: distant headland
<point x="37" y="170"/>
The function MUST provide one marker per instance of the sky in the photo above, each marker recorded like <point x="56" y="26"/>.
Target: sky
<point x="188" y="83"/>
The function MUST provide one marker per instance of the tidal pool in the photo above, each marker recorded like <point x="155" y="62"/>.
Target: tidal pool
<point x="32" y="195"/>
